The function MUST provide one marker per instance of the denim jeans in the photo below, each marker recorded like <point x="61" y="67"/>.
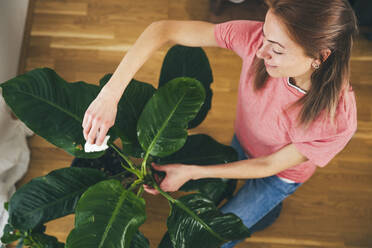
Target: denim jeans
<point x="259" y="201"/>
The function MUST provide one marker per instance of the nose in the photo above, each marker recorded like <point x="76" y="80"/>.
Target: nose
<point x="262" y="53"/>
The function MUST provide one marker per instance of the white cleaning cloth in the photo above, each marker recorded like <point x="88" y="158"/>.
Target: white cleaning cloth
<point x="95" y="148"/>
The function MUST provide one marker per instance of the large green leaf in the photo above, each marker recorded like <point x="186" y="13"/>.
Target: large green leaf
<point x="52" y="107"/>
<point x="130" y="107"/>
<point x="162" y="127"/>
<point x="216" y="189"/>
<point x="183" y="61"/>
<point x="196" y="222"/>
<point x="201" y="149"/>
<point x="49" y="197"/>
<point x="107" y="215"/>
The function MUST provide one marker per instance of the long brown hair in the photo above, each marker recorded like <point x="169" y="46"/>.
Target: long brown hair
<point x="316" y="25"/>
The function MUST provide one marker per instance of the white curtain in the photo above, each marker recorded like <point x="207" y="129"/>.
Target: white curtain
<point x="14" y="156"/>
<point x="14" y="153"/>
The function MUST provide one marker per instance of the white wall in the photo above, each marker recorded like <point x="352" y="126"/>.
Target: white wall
<point x="12" y="22"/>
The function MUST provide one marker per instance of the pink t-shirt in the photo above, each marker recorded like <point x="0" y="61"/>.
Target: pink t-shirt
<point x="262" y="124"/>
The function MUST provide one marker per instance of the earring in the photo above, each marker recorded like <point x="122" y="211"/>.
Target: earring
<point x="316" y="66"/>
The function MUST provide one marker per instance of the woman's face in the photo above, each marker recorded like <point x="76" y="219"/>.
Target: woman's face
<point x="282" y="56"/>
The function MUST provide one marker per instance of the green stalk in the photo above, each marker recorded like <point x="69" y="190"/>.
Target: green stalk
<point x="134" y="171"/>
<point x="169" y="198"/>
<point x="187" y="210"/>
<point x="143" y="166"/>
<point x="138" y="181"/>
<point x="122" y="155"/>
<point x="140" y="191"/>
<point x="132" y="168"/>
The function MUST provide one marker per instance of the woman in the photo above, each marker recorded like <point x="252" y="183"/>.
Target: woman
<point x="296" y="109"/>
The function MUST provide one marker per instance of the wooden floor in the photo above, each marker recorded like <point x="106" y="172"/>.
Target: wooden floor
<point x="84" y="39"/>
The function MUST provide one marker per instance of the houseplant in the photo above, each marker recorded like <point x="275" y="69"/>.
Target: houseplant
<point x="103" y="189"/>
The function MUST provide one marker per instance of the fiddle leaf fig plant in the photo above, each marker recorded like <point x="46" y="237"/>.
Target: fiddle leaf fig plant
<point x="104" y="189"/>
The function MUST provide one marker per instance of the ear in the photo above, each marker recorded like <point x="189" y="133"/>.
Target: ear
<point x="324" y="55"/>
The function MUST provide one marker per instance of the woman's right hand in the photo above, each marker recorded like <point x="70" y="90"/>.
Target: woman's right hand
<point x="100" y="117"/>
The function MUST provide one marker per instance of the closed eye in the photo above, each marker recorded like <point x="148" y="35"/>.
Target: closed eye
<point x="279" y="53"/>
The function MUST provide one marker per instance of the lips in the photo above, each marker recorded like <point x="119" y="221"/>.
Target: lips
<point x="272" y="66"/>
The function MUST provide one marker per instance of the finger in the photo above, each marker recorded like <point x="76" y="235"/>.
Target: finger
<point x="151" y="191"/>
<point x="164" y="186"/>
<point x="87" y="127"/>
<point x="157" y="167"/>
<point x="145" y="186"/>
<point x="93" y="132"/>
<point x="85" y="119"/>
<point x="102" y="134"/>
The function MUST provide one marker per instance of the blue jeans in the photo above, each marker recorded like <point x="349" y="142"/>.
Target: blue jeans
<point x="259" y="201"/>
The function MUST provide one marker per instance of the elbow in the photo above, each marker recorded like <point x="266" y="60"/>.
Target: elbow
<point x="267" y="165"/>
<point x="160" y="29"/>
<point x="158" y="24"/>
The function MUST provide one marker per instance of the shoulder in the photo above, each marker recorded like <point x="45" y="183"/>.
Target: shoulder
<point x="243" y="25"/>
<point x="240" y="36"/>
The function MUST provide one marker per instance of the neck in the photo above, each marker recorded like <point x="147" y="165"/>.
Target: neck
<point x="303" y="81"/>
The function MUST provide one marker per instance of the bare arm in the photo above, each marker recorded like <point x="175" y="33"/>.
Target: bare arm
<point x="178" y="174"/>
<point x="187" y="33"/>
<point x="265" y="166"/>
<point x="101" y="113"/>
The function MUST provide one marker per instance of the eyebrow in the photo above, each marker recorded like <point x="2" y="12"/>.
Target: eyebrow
<point x="271" y="40"/>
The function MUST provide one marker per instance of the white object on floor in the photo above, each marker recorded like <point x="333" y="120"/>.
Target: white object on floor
<point x="95" y="148"/>
<point x="236" y="1"/>
<point x="14" y="156"/>
<point x="14" y="152"/>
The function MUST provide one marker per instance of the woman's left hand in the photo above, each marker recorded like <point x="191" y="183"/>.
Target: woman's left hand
<point x="176" y="176"/>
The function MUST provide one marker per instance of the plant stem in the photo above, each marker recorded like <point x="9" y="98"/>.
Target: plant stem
<point x="140" y="191"/>
<point x="134" y="171"/>
<point x="144" y="164"/>
<point x="189" y="211"/>
<point x="143" y="168"/>
<point x="122" y="155"/>
<point x="138" y="181"/>
<point x="169" y="198"/>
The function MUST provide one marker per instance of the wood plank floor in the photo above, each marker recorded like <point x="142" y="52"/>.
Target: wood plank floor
<point x="84" y="39"/>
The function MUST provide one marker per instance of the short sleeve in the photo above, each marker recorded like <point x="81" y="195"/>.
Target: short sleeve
<point x="322" y="142"/>
<point x="241" y="36"/>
